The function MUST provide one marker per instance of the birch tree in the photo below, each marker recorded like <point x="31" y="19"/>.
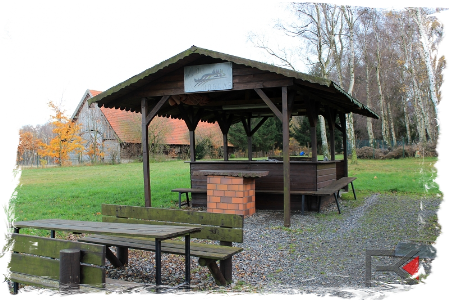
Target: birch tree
<point x="414" y="10"/>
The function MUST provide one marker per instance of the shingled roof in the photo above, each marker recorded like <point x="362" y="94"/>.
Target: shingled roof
<point x="127" y="125"/>
<point x="159" y="81"/>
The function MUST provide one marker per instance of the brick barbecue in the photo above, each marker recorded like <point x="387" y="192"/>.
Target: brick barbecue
<point x="231" y="191"/>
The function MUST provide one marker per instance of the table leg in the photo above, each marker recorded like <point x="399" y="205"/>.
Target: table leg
<point x="158" y="262"/>
<point x="187" y="258"/>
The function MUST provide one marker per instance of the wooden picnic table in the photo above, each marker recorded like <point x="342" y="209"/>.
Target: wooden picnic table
<point x="158" y="232"/>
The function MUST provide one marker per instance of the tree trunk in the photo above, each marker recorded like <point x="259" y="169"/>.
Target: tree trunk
<point x="385" y="127"/>
<point x="393" y="135"/>
<point x="324" y="144"/>
<point x="369" y="122"/>
<point x="407" y="121"/>
<point x="417" y="16"/>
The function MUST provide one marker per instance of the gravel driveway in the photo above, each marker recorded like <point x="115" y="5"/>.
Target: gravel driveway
<point x="320" y="253"/>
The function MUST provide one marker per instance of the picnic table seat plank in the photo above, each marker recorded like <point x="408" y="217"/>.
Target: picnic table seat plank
<point x="35" y="261"/>
<point x="112" y="288"/>
<point x="209" y="251"/>
<point x="91" y="254"/>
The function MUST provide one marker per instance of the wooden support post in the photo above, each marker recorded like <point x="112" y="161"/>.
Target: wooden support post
<point x="192" y="145"/>
<point x="286" y="159"/>
<point x="69" y="269"/>
<point x="314" y="144"/>
<point x="331" y="123"/>
<point x="250" y="140"/>
<point x="313" y="120"/>
<point x="342" y="118"/>
<point x="145" y="153"/>
<point x="224" y="122"/>
<point x="225" y="147"/>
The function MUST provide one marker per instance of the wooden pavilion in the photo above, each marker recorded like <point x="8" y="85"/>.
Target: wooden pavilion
<point x="204" y="85"/>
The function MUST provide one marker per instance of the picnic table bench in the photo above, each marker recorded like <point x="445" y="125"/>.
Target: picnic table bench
<point x="49" y="262"/>
<point x="332" y="189"/>
<point x="225" y="228"/>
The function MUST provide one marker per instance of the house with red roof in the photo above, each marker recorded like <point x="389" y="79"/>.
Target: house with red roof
<point x="117" y="133"/>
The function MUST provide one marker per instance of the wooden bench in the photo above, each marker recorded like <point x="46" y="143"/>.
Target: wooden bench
<point x="49" y="262"/>
<point x="225" y="228"/>
<point x="187" y="191"/>
<point x="332" y="189"/>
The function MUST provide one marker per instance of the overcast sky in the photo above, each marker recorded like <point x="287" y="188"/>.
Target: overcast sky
<point x="55" y="51"/>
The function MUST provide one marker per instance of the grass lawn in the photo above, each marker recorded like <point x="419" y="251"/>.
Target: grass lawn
<point x="404" y="176"/>
<point x="78" y="192"/>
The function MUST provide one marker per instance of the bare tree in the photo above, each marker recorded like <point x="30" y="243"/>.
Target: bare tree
<point x="414" y="10"/>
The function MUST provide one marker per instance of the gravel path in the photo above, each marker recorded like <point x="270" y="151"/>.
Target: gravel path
<point x="320" y="253"/>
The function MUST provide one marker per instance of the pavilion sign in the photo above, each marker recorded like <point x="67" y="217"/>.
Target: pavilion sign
<point x="211" y="77"/>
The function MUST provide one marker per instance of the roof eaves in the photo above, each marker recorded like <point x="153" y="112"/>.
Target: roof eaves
<point x="355" y="101"/>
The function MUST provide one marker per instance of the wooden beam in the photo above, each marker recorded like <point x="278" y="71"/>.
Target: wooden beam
<point x="245" y="126"/>
<point x="270" y="104"/>
<point x="190" y="117"/>
<point x="286" y="159"/>
<point x="145" y="153"/>
<point x="253" y="131"/>
<point x="224" y="121"/>
<point x="155" y="110"/>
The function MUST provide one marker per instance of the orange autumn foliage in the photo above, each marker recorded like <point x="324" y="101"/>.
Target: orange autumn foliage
<point x="17" y="143"/>
<point x="28" y="145"/>
<point x="66" y="140"/>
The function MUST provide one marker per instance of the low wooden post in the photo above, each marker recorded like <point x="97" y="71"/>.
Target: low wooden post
<point x="69" y="269"/>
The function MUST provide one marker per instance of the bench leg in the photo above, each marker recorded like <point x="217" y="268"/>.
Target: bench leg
<point x="302" y="204"/>
<point x="113" y="259"/>
<point x="179" y="199"/>
<point x="188" y="201"/>
<point x="213" y="269"/>
<point x="122" y="254"/>
<point x="336" y="201"/>
<point x="353" y="190"/>
<point x="226" y="265"/>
